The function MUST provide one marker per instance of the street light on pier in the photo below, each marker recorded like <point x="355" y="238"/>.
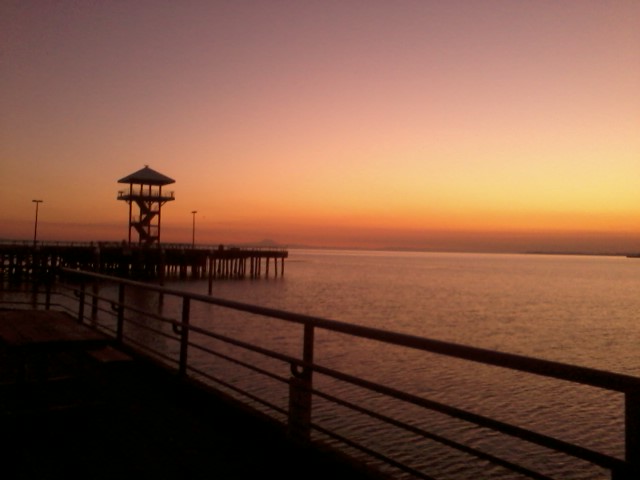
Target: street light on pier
<point x="193" y="230"/>
<point x="35" y="228"/>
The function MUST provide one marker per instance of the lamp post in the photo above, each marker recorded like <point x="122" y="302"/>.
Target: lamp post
<point x="35" y="228"/>
<point x="193" y="230"/>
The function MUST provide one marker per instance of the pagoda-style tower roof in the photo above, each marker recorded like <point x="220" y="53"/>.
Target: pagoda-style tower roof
<point x="147" y="176"/>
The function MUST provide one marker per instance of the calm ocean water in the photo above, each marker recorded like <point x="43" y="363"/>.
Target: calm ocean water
<point x="575" y="309"/>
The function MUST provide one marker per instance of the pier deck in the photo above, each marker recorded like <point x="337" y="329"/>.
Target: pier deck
<point x="157" y="262"/>
<point x="141" y="422"/>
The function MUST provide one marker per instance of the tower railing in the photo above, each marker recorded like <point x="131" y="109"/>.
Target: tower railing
<point x="155" y="194"/>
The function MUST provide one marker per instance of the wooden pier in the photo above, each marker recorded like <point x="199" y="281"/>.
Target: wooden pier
<point x="133" y="418"/>
<point x="158" y="262"/>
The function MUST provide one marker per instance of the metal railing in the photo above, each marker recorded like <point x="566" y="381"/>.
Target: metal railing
<point x="196" y="345"/>
<point x="28" y="244"/>
<point x="146" y="194"/>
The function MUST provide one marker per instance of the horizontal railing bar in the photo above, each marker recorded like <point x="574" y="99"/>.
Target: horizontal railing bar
<point x="433" y="436"/>
<point x="128" y="308"/>
<point x="28" y="244"/>
<point x="89" y="296"/>
<point x="247" y="346"/>
<point x="155" y="353"/>
<point x="103" y="310"/>
<point x="142" y="326"/>
<point x="248" y="366"/>
<point x="372" y="453"/>
<point x="527" y="435"/>
<point x="443" y="440"/>
<point x="22" y="302"/>
<point x="513" y="430"/>
<point x="148" y="314"/>
<point x="238" y="391"/>
<point x="58" y="305"/>
<point x="551" y="369"/>
<point x="67" y="292"/>
<point x="572" y="373"/>
<point x="105" y="328"/>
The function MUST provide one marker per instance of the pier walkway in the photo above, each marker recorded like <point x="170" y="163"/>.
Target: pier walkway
<point x="76" y="409"/>
<point x="19" y="260"/>
<point x="136" y="420"/>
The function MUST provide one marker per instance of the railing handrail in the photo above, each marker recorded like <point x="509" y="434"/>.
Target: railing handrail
<point x="548" y="368"/>
<point x="85" y="288"/>
<point x="164" y="245"/>
<point x="155" y="192"/>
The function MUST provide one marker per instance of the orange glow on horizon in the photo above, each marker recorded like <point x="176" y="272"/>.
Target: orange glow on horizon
<point x="494" y="126"/>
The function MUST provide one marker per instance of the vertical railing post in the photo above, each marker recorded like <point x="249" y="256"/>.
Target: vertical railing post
<point x="95" y="286"/>
<point x="37" y="277"/>
<point x="120" y="310"/>
<point x="184" y="336"/>
<point x="631" y="469"/>
<point x="300" y="388"/>
<point x="81" y="296"/>
<point x="95" y="291"/>
<point x="34" y="293"/>
<point x="47" y="298"/>
<point x="632" y="436"/>
<point x="211" y="268"/>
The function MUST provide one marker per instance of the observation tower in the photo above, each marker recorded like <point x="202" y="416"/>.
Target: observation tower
<point x="145" y="191"/>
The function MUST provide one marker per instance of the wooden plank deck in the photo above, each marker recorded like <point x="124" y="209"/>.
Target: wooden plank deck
<point x="141" y="422"/>
<point x="46" y="330"/>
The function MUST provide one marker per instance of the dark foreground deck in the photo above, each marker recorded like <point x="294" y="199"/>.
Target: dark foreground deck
<point x="138" y="421"/>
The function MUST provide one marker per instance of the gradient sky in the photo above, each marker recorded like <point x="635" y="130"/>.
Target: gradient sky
<point x="479" y="125"/>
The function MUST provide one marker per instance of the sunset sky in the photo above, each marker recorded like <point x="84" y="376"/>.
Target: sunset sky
<point x="479" y="125"/>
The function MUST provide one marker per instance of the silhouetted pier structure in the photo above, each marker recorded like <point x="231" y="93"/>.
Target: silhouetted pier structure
<point x="158" y="262"/>
<point x="98" y="412"/>
<point x="173" y="367"/>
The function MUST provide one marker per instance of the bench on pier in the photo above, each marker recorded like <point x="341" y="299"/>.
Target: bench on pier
<point x="108" y="370"/>
<point x="33" y="338"/>
<point x="107" y="356"/>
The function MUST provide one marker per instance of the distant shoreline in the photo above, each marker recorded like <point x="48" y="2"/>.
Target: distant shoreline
<point x="420" y="250"/>
<point x="588" y="254"/>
